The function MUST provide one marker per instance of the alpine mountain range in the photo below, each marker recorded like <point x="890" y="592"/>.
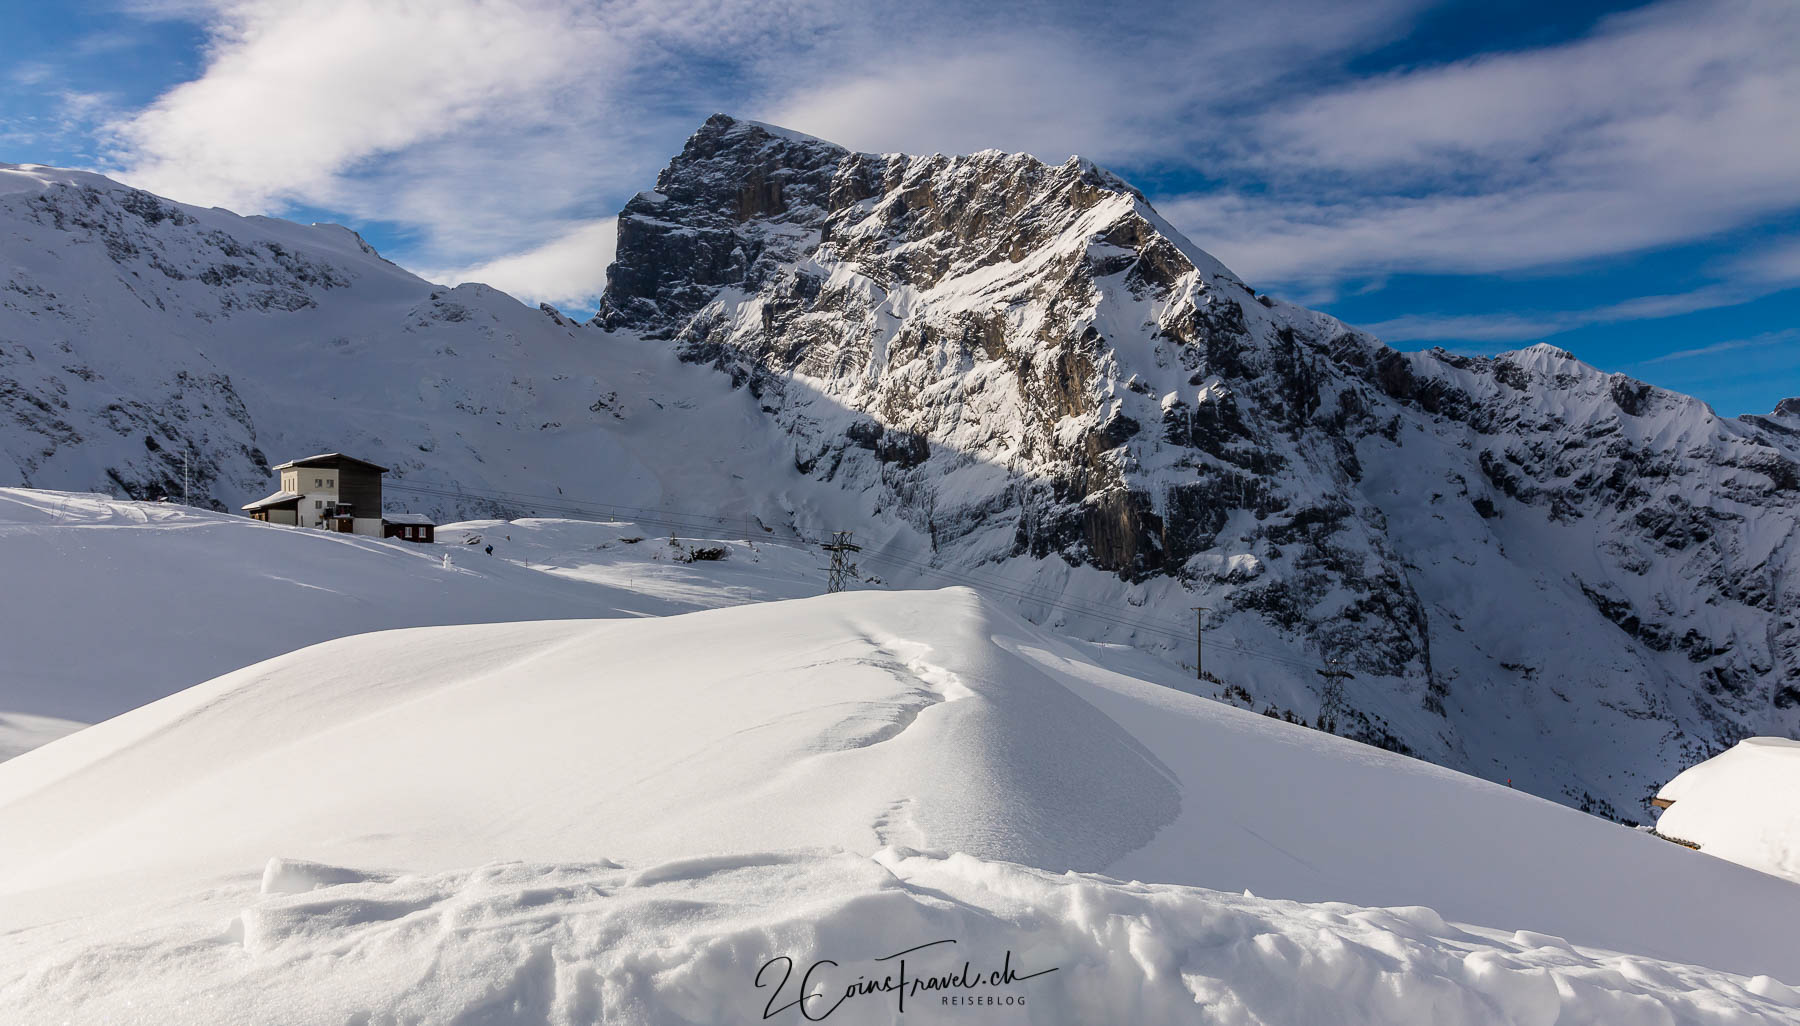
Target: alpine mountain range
<point x="993" y="370"/>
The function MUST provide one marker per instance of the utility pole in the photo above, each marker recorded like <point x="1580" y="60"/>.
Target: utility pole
<point x="841" y="568"/>
<point x="1200" y="641"/>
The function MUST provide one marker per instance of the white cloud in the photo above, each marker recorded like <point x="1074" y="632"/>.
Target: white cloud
<point x="1034" y="96"/>
<point x="1157" y="86"/>
<point x="569" y="271"/>
<point x="479" y="127"/>
<point x="297" y="94"/>
<point x="484" y="127"/>
<point x="1665" y="126"/>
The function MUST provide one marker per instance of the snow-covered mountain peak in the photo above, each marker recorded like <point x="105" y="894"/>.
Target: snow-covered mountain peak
<point x="1029" y="367"/>
<point x="742" y="196"/>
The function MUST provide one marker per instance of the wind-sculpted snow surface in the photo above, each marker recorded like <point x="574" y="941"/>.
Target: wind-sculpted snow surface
<point x="763" y="936"/>
<point x="109" y="605"/>
<point x="797" y="724"/>
<point x="660" y="806"/>
<point x="1535" y="570"/>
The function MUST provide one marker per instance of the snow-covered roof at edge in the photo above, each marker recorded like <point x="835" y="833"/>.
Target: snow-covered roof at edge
<point x="1742" y="805"/>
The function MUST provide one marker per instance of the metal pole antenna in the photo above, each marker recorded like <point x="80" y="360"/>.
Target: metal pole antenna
<point x="1200" y="641"/>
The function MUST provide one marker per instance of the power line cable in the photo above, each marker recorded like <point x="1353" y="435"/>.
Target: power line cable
<point x="684" y="520"/>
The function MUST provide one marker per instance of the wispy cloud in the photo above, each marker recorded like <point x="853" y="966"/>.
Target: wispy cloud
<point x="1767" y="338"/>
<point x="1666" y="125"/>
<point x="1515" y="327"/>
<point x="489" y="126"/>
<point x="1779" y="262"/>
<point x="96" y="43"/>
<point x="31" y="73"/>
<point x="486" y="126"/>
<point x="1163" y="85"/>
<point x="502" y="133"/>
<point x="568" y="272"/>
<point x="1471" y="327"/>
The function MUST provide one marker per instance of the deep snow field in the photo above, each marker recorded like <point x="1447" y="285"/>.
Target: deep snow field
<point x="667" y="774"/>
<point x="132" y="601"/>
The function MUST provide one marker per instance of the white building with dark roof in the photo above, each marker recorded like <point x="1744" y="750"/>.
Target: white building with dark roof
<point x="335" y="492"/>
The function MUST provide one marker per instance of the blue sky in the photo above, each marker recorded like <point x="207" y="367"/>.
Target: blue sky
<point x="1615" y="178"/>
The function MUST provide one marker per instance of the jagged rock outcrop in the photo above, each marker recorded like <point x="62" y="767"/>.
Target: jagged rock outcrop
<point x="1026" y="363"/>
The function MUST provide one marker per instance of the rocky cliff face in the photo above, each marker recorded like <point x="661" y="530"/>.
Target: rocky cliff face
<point x="1534" y="570"/>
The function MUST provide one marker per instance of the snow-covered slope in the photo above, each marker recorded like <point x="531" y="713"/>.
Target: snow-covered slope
<point x="565" y="821"/>
<point x="1743" y="805"/>
<point x="1531" y="569"/>
<point x="109" y="605"/>
<point x="134" y="328"/>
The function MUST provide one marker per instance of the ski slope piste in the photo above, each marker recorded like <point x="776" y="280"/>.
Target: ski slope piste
<point x="631" y="820"/>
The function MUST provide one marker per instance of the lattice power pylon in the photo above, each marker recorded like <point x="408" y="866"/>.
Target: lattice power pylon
<point x="841" y="569"/>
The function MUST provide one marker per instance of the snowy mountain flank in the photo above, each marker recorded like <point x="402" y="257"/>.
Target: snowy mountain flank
<point x="1535" y="570"/>
<point x="995" y="371"/>
<point x="134" y="330"/>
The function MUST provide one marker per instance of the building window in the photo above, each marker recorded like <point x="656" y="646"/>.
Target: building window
<point x="318" y="482"/>
<point x="318" y="504"/>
